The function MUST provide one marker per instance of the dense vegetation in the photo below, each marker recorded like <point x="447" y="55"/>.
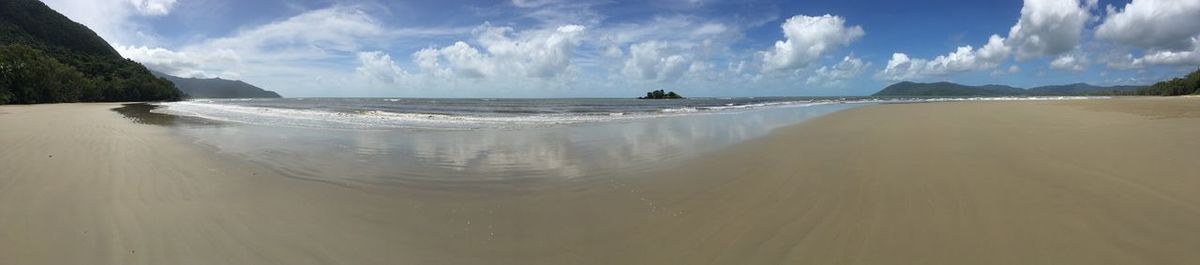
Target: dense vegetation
<point x="947" y="89"/>
<point x="217" y="88"/>
<point x="1082" y="89"/>
<point x="1188" y="85"/>
<point x="46" y="58"/>
<point x="660" y="94"/>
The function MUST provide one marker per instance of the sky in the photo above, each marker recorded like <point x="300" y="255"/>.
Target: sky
<point x="612" y="48"/>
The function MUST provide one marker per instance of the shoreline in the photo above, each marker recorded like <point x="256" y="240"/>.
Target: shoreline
<point x="1070" y="182"/>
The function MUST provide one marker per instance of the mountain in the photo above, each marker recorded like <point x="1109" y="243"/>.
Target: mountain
<point x="32" y="23"/>
<point x="947" y="89"/>
<point x="45" y="57"/>
<point x="216" y="87"/>
<point x="1081" y="89"/>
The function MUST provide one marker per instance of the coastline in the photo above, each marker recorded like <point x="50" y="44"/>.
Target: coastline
<point x="1071" y="182"/>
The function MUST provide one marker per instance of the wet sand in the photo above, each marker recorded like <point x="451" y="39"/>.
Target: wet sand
<point x="1062" y="182"/>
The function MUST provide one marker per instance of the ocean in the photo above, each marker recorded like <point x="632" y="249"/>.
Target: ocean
<point x="488" y="144"/>
<point x="459" y="114"/>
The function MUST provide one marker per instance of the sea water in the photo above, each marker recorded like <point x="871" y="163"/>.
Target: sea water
<point x="490" y="144"/>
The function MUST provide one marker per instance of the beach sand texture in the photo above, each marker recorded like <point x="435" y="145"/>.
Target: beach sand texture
<point x="1032" y="182"/>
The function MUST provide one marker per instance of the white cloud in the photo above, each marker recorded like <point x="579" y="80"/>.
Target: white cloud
<point x="678" y="30"/>
<point x="710" y="28"/>
<point x="654" y="60"/>
<point x="378" y="66"/>
<point x="544" y="53"/>
<point x="557" y="12"/>
<point x="1045" y="28"/>
<point x="994" y="51"/>
<point x="963" y="59"/>
<point x="1068" y="62"/>
<point x="1165" y="57"/>
<point x="838" y="74"/>
<point x="338" y="28"/>
<point x="153" y="7"/>
<point x="532" y="3"/>
<point x="1165" y="29"/>
<point x="1119" y="60"/>
<point x="808" y="38"/>
<point x="1153" y="24"/>
<point x="900" y="67"/>
<point x="465" y="60"/>
<point x="286" y="45"/>
<point x="117" y="21"/>
<point x="180" y="63"/>
<point x="1048" y="27"/>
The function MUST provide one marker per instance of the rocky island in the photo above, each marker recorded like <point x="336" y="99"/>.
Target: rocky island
<point x="660" y="94"/>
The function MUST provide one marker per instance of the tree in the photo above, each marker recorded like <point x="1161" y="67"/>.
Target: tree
<point x="29" y="75"/>
<point x="660" y="94"/>
<point x="1188" y="85"/>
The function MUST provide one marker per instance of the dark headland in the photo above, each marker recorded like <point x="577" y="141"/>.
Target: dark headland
<point x="1187" y="85"/>
<point x="216" y="87"/>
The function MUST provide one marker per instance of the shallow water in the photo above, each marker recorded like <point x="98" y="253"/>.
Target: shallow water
<point x="490" y="157"/>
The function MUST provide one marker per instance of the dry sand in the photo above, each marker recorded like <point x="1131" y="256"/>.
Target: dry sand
<point x="1064" y="182"/>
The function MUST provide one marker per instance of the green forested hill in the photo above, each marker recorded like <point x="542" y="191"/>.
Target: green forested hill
<point x="45" y="57"/>
<point x="1187" y="85"/>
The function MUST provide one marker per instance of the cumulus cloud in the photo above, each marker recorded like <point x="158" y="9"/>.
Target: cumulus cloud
<point x="544" y="53"/>
<point x="838" y="74"/>
<point x="995" y="51"/>
<point x="1164" y="29"/>
<point x="1068" y="62"/>
<point x="900" y="67"/>
<point x="964" y="59"/>
<point x="1153" y="24"/>
<point x="808" y="38"/>
<point x="1048" y="27"/>
<point x="654" y="60"/>
<point x="1045" y="28"/>
<point x="378" y="66"/>
<point x="1166" y="57"/>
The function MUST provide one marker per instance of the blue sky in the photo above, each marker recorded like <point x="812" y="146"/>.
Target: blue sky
<point x="558" y="48"/>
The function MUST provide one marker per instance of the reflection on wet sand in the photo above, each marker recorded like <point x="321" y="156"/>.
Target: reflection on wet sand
<point x="140" y="113"/>
<point x="493" y="159"/>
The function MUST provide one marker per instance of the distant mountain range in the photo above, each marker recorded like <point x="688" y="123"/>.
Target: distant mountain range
<point x="948" y="89"/>
<point x="216" y="87"/>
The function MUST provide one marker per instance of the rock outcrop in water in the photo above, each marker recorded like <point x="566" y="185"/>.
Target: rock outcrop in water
<point x="660" y="94"/>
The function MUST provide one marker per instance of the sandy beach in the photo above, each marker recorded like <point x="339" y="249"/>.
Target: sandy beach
<point x="1019" y="182"/>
